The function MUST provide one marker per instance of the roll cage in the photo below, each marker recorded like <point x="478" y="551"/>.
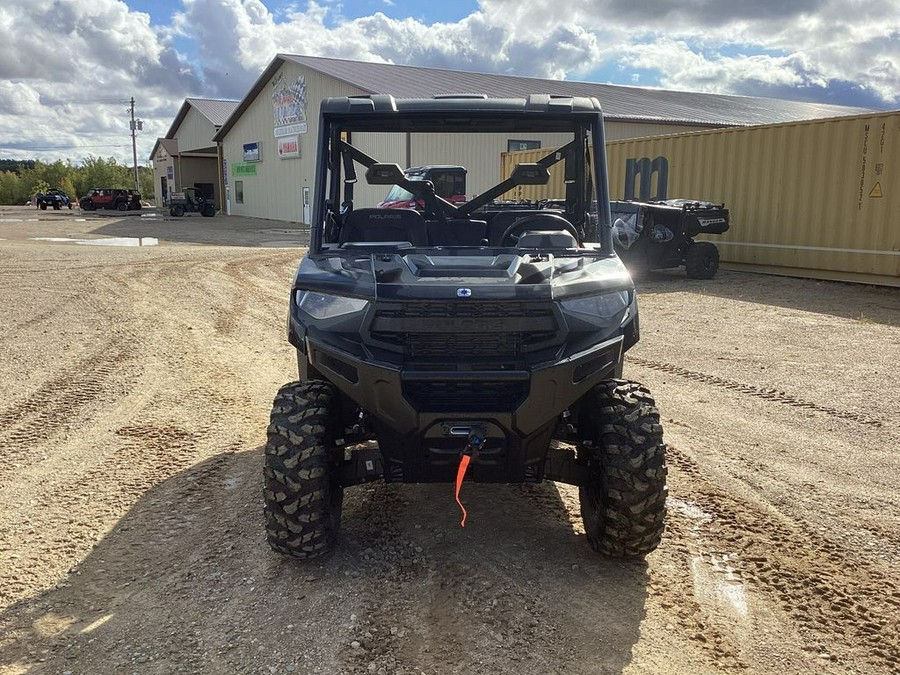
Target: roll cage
<point x="584" y="204"/>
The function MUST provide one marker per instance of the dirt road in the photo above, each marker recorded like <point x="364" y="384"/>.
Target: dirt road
<point x="136" y="387"/>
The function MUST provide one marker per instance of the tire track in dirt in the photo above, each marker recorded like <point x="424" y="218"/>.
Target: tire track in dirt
<point x="55" y="266"/>
<point x="147" y="456"/>
<point x="851" y="604"/>
<point x="243" y="272"/>
<point x="54" y="408"/>
<point x="714" y="630"/>
<point x="142" y="448"/>
<point x="758" y="392"/>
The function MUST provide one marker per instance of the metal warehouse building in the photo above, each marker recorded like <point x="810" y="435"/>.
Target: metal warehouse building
<point x="187" y="156"/>
<point x="782" y="167"/>
<point x="268" y="143"/>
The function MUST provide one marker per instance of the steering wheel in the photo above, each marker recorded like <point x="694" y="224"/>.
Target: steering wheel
<point x="551" y="220"/>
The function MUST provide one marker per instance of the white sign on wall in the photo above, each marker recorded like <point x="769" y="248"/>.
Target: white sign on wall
<point x="290" y="130"/>
<point x="288" y="147"/>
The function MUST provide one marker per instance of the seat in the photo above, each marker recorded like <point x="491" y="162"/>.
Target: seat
<point x="367" y="225"/>
<point x="457" y="232"/>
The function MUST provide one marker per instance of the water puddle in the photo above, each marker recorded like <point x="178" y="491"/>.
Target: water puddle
<point x="716" y="577"/>
<point x="299" y="231"/>
<point x="10" y="220"/>
<point x="716" y="574"/>
<point x="689" y="510"/>
<point x="290" y="243"/>
<point x="109" y="241"/>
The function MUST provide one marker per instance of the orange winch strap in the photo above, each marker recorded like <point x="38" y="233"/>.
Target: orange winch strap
<point x="460" y="474"/>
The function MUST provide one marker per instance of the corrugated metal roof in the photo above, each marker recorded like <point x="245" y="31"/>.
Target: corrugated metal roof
<point x="619" y="102"/>
<point x="215" y="110"/>
<point x="170" y="145"/>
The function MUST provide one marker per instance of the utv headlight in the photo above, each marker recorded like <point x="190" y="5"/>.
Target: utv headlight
<point x="604" y="307"/>
<point x="324" y="306"/>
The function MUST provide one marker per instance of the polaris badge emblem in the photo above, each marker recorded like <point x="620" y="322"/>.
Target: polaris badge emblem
<point x="463" y="292"/>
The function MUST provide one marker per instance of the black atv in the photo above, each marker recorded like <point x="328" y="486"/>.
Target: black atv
<point x="660" y="235"/>
<point x="191" y="200"/>
<point x="462" y="341"/>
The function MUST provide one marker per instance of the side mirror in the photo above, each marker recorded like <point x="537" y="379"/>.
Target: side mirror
<point x="531" y="173"/>
<point x="384" y="174"/>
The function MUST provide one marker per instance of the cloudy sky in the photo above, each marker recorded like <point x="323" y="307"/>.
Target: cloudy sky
<point x="68" y="67"/>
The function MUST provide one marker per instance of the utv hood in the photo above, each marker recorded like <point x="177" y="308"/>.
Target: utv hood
<point x="429" y="276"/>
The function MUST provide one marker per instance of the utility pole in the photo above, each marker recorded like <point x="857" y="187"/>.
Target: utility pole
<point x="136" y="125"/>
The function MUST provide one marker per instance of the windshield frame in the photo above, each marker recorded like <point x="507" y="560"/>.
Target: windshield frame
<point x="426" y="116"/>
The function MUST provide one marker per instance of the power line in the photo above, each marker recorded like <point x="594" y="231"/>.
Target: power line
<point x="79" y="101"/>
<point x="58" y="147"/>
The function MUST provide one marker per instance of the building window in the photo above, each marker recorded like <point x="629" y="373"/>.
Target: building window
<point x="515" y="146"/>
<point x="239" y="191"/>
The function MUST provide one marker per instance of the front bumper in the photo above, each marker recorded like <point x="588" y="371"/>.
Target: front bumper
<point x="520" y="402"/>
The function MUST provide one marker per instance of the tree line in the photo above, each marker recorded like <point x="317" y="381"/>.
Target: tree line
<point x="20" y="180"/>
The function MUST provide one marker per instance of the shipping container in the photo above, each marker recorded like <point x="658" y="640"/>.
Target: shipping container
<point x="817" y="199"/>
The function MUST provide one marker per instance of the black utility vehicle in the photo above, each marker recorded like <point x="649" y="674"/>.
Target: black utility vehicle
<point x="660" y="235"/>
<point x="462" y="341"/>
<point x="193" y="201"/>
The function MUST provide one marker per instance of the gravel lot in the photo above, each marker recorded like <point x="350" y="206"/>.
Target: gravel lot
<point x="138" y="381"/>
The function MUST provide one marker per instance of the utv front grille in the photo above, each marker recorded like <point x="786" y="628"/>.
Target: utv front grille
<point x="464" y="308"/>
<point x="463" y="329"/>
<point x="466" y="396"/>
<point x="426" y="345"/>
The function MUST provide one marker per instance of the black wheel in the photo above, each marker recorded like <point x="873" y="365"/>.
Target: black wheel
<point x="208" y="210"/>
<point x="87" y="206"/>
<point x="57" y="206"/>
<point x="624" y="504"/>
<point x="122" y="206"/>
<point x="701" y="260"/>
<point x="43" y="206"/>
<point x="302" y="496"/>
<point x="177" y="210"/>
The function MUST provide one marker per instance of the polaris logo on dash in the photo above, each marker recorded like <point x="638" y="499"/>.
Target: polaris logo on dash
<point x="463" y="292"/>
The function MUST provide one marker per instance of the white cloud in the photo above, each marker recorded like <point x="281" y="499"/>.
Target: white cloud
<point x="805" y="42"/>
<point x="67" y="66"/>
